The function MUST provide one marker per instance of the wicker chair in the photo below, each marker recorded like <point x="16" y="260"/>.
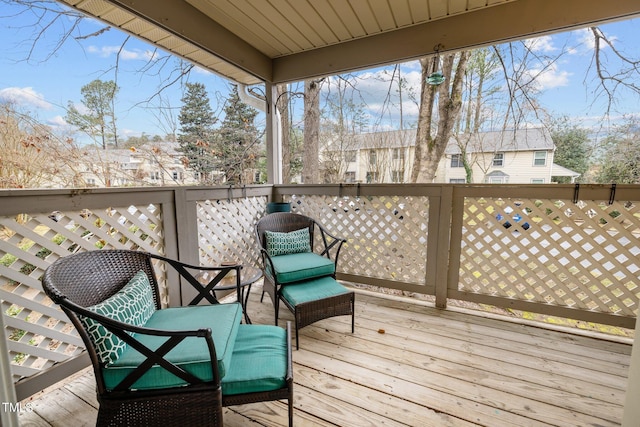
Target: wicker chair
<point x="305" y="280"/>
<point x="154" y="380"/>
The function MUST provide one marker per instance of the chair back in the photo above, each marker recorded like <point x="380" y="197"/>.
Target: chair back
<point x="88" y="278"/>
<point x="283" y="222"/>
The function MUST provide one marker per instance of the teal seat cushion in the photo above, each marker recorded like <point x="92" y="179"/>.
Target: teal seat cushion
<point x="192" y="354"/>
<point x="313" y="290"/>
<point x="302" y="266"/>
<point x="259" y="360"/>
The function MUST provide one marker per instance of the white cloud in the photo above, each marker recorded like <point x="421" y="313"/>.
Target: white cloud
<point x="550" y="77"/>
<point x="107" y="51"/>
<point x="24" y="96"/>
<point x="541" y="44"/>
<point x="200" y="70"/>
<point x="587" y="40"/>
<point x="60" y="126"/>
<point x="57" y="121"/>
<point x="81" y="108"/>
<point x="373" y="87"/>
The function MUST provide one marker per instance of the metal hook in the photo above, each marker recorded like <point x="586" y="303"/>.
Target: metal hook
<point x="612" y="194"/>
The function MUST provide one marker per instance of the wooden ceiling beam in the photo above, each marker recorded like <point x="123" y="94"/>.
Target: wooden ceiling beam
<point x="186" y="22"/>
<point x="492" y="25"/>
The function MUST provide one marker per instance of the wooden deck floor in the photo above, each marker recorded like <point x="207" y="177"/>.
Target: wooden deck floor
<point x="429" y="368"/>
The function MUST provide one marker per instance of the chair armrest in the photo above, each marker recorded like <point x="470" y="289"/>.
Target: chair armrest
<point x="333" y="243"/>
<point x="267" y="265"/>
<point x="289" y="377"/>
<point x="205" y="292"/>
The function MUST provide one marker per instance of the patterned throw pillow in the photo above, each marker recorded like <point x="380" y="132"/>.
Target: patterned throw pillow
<point x="288" y="243"/>
<point x="133" y="304"/>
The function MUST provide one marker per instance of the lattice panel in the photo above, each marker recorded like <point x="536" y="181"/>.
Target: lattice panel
<point x="581" y="255"/>
<point x="386" y="235"/>
<point x="226" y="230"/>
<point x="39" y="333"/>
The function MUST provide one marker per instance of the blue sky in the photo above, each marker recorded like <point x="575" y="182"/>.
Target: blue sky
<point x="43" y="83"/>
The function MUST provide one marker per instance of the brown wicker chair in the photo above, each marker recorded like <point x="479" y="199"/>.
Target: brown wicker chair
<point x="82" y="281"/>
<point x="337" y="301"/>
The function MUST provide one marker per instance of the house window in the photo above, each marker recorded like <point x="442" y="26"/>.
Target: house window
<point x="456" y="161"/>
<point x="372" y="157"/>
<point x="498" y="160"/>
<point x="457" y="181"/>
<point x="155" y="175"/>
<point x="372" y="177"/>
<point x="398" y="154"/>
<point x="497" y="180"/>
<point x="497" y="177"/>
<point x="350" y="156"/>
<point x="349" y="177"/>
<point x="537" y="180"/>
<point x="539" y="158"/>
<point x="397" y="176"/>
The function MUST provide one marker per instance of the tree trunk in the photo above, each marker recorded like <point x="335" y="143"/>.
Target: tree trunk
<point x="425" y="114"/>
<point x="429" y="151"/>
<point x="311" y="162"/>
<point x="282" y="104"/>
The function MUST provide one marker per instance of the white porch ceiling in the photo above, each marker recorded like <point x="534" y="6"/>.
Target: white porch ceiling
<point x="251" y="41"/>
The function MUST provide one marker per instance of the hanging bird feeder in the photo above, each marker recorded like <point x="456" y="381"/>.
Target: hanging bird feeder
<point x="436" y="78"/>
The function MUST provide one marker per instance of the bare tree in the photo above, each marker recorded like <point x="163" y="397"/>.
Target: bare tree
<point x="311" y="161"/>
<point x="28" y="148"/>
<point x="611" y="81"/>
<point x="342" y="121"/>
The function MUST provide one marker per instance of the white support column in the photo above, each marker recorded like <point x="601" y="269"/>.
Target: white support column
<point x="8" y="403"/>
<point x="274" y="137"/>
<point x="273" y="128"/>
<point x="631" y="417"/>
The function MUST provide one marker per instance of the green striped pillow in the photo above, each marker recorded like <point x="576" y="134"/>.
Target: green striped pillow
<point x="288" y="243"/>
<point x="133" y="304"/>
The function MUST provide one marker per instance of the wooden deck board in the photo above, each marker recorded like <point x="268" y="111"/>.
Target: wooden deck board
<point x="429" y="367"/>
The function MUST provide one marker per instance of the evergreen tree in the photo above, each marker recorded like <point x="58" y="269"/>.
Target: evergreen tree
<point x="99" y="122"/>
<point x="621" y="159"/>
<point x="196" y="131"/>
<point x="237" y="139"/>
<point x="572" y="149"/>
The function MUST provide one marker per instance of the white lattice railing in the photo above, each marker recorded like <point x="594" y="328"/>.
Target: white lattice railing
<point x="547" y="249"/>
<point x="38" y="227"/>
<point x="573" y="255"/>
<point x="225" y="229"/>
<point x="379" y="229"/>
<point x="560" y="250"/>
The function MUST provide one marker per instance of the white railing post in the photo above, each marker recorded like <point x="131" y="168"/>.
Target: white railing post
<point x="8" y="401"/>
<point x="631" y="407"/>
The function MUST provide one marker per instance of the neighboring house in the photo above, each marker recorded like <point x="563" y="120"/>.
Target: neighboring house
<point x="517" y="157"/>
<point x="154" y="163"/>
<point x="372" y="157"/>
